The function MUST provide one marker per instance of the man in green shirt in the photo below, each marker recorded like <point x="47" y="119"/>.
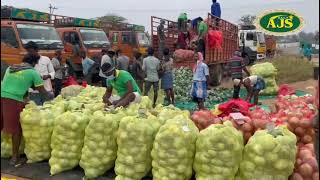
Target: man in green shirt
<point x="202" y="31"/>
<point x="182" y="22"/>
<point x="123" y="83"/>
<point x="14" y="88"/>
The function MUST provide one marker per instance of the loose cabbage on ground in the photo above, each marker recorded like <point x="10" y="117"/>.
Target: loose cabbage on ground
<point x="135" y="140"/>
<point x="269" y="155"/>
<point x="218" y="152"/>
<point x="174" y="149"/>
<point x="99" y="151"/>
<point x="67" y="141"/>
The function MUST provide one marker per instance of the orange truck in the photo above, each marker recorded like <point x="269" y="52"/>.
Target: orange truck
<point x="80" y="34"/>
<point x="18" y="27"/>
<point x="216" y="59"/>
<point x="271" y="46"/>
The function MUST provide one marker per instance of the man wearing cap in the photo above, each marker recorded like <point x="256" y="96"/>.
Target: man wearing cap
<point x="123" y="83"/>
<point x="161" y="37"/>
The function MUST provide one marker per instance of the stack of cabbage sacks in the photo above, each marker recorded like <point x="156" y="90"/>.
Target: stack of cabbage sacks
<point x="218" y="152"/>
<point x="269" y="155"/>
<point x="174" y="149"/>
<point x="37" y="125"/>
<point x="268" y="72"/>
<point x="169" y="112"/>
<point x="99" y="151"/>
<point x="135" y="140"/>
<point x="6" y="145"/>
<point x="67" y="141"/>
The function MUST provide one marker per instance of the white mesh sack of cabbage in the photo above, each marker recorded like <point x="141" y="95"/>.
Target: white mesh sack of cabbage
<point x="37" y="126"/>
<point x="99" y="151"/>
<point x="169" y="112"/>
<point x="6" y="145"/>
<point x="67" y="141"/>
<point x="218" y="152"/>
<point x="269" y="155"/>
<point x="174" y="149"/>
<point x="135" y="140"/>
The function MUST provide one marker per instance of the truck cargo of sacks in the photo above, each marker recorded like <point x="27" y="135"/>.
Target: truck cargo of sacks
<point x="268" y="72"/>
<point x="174" y="149"/>
<point x="183" y="55"/>
<point x="218" y="152"/>
<point x="99" y="151"/>
<point x="67" y="141"/>
<point x="215" y="39"/>
<point x="269" y="154"/>
<point x="37" y="126"/>
<point x="135" y="140"/>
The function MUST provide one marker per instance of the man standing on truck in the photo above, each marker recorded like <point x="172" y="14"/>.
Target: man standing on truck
<point x="46" y="71"/>
<point x="202" y="31"/>
<point x="122" y="61"/>
<point x="182" y="22"/>
<point x="216" y="9"/>
<point x="161" y="37"/>
<point x="236" y="66"/>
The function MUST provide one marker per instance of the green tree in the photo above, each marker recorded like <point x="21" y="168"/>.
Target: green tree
<point x="247" y="19"/>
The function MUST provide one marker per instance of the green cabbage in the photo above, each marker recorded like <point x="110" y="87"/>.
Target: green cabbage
<point x="67" y="141"/>
<point x="135" y="140"/>
<point x="99" y="151"/>
<point x="218" y="152"/>
<point x="174" y="149"/>
<point x="269" y="155"/>
<point x="6" y="145"/>
<point x="268" y="72"/>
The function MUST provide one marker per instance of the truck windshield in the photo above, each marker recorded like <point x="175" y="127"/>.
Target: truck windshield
<point x="143" y="39"/>
<point x="261" y="38"/>
<point x="46" y="37"/>
<point x="93" y="38"/>
<point x="251" y="36"/>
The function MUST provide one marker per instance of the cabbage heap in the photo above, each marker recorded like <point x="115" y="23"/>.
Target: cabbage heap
<point x="67" y="141"/>
<point x="182" y="83"/>
<point x="174" y="149"/>
<point x="37" y="125"/>
<point x="71" y="91"/>
<point x="268" y="72"/>
<point x="218" y="152"/>
<point x="6" y="145"/>
<point x="99" y="151"/>
<point x="269" y="155"/>
<point x="169" y="112"/>
<point x="135" y="140"/>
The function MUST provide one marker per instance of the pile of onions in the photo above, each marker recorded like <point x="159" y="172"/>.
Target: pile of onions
<point x="204" y="119"/>
<point x="306" y="166"/>
<point x="260" y="118"/>
<point x="246" y="127"/>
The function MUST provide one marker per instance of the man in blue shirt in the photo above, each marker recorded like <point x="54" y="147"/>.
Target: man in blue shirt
<point x="87" y="66"/>
<point x="215" y="9"/>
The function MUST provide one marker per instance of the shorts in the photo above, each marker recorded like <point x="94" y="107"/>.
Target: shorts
<point x="260" y="85"/>
<point x="199" y="90"/>
<point x="148" y="84"/>
<point x="10" y="116"/>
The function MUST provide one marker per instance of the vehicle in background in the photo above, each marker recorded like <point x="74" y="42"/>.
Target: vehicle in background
<point x="18" y="27"/>
<point x="127" y="37"/>
<point x="216" y="59"/>
<point x="271" y="46"/>
<point x="84" y="33"/>
<point x="252" y="43"/>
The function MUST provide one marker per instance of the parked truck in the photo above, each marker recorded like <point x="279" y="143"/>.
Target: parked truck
<point x="216" y="59"/>
<point x="271" y="46"/>
<point x="18" y="27"/>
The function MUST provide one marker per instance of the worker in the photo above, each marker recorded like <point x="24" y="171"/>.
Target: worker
<point x="151" y="65"/>
<point x="202" y="32"/>
<point x="308" y="52"/>
<point x="216" y="9"/>
<point x="14" y="88"/>
<point x="182" y="22"/>
<point x="87" y="67"/>
<point x="161" y="37"/>
<point x="182" y="40"/>
<point x="301" y="51"/>
<point x="135" y="69"/>
<point x="122" y="61"/>
<point x="59" y="70"/>
<point x="195" y="22"/>
<point x="46" y="71"/>
<point x="167" y="78"/>
<point x="106" y="56"/>
<point x="200" y="83"/>
<point x="236" y="66"/>
<point x="123" y="83"/>
<point x="254" y="84"/>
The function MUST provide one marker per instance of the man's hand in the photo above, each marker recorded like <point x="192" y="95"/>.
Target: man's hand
<point x="45" y="77"/>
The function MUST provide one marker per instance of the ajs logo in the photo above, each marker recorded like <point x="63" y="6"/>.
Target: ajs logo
<point x="280" y="22"/>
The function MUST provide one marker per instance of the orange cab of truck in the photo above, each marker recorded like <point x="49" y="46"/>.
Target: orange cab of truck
<point x="80" y="34"/>
<point x="18" y="27"/>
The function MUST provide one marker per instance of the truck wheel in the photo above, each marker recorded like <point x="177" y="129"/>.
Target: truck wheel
<point x="4" y="67"/>
<point x="216" y="74"/>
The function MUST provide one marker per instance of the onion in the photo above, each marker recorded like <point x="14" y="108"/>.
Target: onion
<point x="296" y="176"/>
<point x="310" y="146"/>
<point x="305" y="170"/>
<point x="294" y="121"/>
<point x="306" y="139"/>
<point x="315" y="176"/>
<point x="312" y="162"/>
<point x="299" y="131"/>
<point x="304" y="154"/>
<point x="246" y="127"/>
<point x="305" y="123"/>
<point x="246" y="136"/>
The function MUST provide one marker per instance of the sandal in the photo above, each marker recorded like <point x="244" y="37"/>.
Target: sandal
<point x="13" y="161"/>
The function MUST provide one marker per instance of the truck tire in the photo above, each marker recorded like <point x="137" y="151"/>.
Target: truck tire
<point x="4" y="67"/>
<point x="216" y="74"/>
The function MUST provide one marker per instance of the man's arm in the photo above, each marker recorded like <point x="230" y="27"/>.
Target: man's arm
<point x="206" y="73"/>
<point x="246" y="71"/>
<point x="51" y="70"/>
<point x="107" y="95"/>
<point x="43" y="92"/>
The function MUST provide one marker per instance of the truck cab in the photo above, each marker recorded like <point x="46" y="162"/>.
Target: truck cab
<point x="18" y="27"/>
<point x="252" y="44"/>
<point x="80" y="34"/>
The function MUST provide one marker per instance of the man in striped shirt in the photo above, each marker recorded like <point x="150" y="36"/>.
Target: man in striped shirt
<point x="236" y="67"/>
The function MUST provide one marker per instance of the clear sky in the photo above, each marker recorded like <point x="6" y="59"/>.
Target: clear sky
<point x="140" y="11"/>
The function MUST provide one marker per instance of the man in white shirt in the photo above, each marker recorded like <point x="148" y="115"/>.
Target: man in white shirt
<point x="46" y="71"/>
<point x="254" y="84"/>
<point x="107" y="57"/>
